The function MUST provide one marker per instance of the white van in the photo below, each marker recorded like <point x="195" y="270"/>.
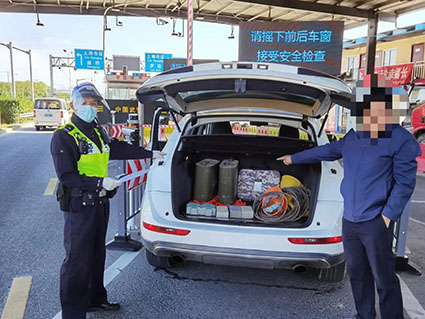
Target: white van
<point x="51" y="112"/>
<point x="213" y="96"/>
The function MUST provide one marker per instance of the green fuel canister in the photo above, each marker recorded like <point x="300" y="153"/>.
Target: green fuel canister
<point x="205" y="180"/>
<point x="228" y="181"/>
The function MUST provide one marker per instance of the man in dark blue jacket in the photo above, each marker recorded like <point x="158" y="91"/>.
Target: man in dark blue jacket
<point x="379" y="178"/>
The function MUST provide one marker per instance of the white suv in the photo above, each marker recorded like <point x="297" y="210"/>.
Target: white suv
<point x="212" y="97"/>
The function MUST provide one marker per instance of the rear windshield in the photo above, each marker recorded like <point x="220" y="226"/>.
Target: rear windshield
<point x="47" y="104"/>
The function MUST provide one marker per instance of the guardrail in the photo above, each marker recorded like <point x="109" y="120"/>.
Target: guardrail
<point x="128" y="204"/>
<point x="24" y="115"/>
<point x="418" y="71"/>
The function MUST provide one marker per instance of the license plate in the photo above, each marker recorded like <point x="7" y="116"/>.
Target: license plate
<point x="48" y="115"/>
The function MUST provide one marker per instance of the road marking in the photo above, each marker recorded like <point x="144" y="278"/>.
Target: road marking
<point x="119" y="265"/>
<point x="17" y="300"/>
<point x="51" y="186"/>
<point x="418" y="201"/>
<point x="417" y="221"/>
<point x="410" y="303"/>
<point x="113" y="270"/>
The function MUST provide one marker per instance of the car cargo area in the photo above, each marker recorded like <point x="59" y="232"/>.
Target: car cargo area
<point x="252" y="153"/>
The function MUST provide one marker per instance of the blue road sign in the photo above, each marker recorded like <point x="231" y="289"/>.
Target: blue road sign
<point x="154" y="62"/>
<point x="89" y="59"/>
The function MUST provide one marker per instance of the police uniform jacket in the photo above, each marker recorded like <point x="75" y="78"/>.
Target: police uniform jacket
<point x="65" y="155"/>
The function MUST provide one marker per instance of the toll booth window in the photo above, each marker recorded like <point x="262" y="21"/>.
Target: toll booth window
<point x="417" y="97"/>
<point x="121" y="93"/>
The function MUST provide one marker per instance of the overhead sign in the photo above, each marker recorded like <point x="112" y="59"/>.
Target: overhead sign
<point x="154" y="62"/>
<point x="311" y="44"/>
<point x="171" y="64"/>
<point x="119" y="62"/>
<point x="89" y="59"/>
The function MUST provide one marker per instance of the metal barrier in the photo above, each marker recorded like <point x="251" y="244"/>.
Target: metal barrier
<point x="400" y="236"/>
<point x="128" y="206"/>
<point x="24" y="115"/>
<point x="418" y="71"/>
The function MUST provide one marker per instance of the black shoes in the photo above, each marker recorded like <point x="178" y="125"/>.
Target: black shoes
<point x="107" y="306"/>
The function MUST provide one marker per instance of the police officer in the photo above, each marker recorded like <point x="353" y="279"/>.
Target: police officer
<point x="379" y="178"/>
<point x="81" y="151"/>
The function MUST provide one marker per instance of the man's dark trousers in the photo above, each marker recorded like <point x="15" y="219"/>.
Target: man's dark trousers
<point x="81" y="276"/>
<point x="370" y="259"/>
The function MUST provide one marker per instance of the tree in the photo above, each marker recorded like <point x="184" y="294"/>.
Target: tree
<point x="23" y="89"/>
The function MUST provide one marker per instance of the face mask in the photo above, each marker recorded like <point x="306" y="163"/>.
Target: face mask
<point x="87" y="113"/>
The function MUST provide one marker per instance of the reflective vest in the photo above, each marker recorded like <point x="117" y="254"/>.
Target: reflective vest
<point x="95" y="162"/>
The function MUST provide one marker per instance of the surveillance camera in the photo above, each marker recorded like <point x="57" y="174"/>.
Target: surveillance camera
<point x="160" y="21"/>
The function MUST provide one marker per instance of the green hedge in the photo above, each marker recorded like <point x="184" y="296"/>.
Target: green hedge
<point x="10" y="108"/>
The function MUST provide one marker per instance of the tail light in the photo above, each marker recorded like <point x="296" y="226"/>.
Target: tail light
<point x="316" y="241"/>
<point x="34" y="113"/>
<point x="166" y="230"/>
<point x="61" y="114"/>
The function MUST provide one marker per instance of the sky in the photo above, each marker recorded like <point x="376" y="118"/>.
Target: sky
<point x="136" y="37"/>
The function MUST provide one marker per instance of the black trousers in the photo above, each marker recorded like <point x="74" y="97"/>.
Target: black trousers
<point x="81" y="275"/>
<point x="370" y="259"/>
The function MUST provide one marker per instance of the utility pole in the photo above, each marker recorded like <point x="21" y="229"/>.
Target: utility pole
<point x="59" y="62"/>
<point x="11" y="70"/>
<point x="69" y="71"/>
<point x="30" y="60"/>
<point x="32" y="82"/>
<point x="51" y="75"/>
<point x="13" y="87"/>
<point x="189" y="55"/>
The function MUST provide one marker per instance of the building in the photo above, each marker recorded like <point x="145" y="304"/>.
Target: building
<point x="400" y="56"/>
<point x="395" y="48"/>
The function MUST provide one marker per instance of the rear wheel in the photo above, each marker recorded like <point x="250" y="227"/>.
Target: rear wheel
<point x="334" y="274"/>
<point x="158" y="261"/>
<point x="37" y="128"/>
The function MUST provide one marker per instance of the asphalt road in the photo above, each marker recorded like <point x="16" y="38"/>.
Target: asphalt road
<point x="31" y="228"/>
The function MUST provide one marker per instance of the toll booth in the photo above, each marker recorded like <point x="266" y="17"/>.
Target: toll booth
<point x="121" y="97"/>
<point x="121" y="86"/>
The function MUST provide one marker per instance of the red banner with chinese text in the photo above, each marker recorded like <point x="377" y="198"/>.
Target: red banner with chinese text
<point x="398" y="74"/>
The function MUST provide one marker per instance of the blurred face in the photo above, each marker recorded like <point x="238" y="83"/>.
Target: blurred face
<point x="375" y="118"/>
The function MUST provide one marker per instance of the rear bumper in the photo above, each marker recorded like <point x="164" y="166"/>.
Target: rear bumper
<point x="243" y="257"/>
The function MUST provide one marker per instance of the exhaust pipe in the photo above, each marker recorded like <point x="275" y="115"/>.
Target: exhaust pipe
<point x="300" y="268"/>
<point x="176" y="259"/>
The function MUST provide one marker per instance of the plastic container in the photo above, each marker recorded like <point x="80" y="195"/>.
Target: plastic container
<point x="192" y="209"/>
<point x="205" y="180"/>
<point x="247" y="212"/>
<point x="222" y="212"/>
<point x="235" y="211"/>
<point x="228" y="181"/>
